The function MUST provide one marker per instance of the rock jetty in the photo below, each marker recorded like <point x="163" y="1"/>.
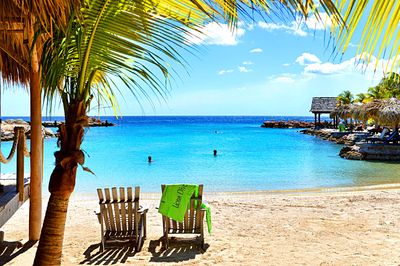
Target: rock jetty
<point x="371" y="151"/>
<point x="7" y="129"/>
<point x="287" y="124"/>
<point x="346" y="138"/>
<point x="93" y="122"/>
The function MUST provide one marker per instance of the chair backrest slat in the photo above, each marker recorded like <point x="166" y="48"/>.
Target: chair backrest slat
<point x="174" y="225"/>
<point x="136" y="217"/>
<point x="123" y="208"/>
<point x="130" y="211"/>
<point x="186" y="221"/>
<point x="198" y="209"/>
<point x="115" y="204"/>
<point x="109" y="209"/>
<point x="103" y="209"/>
<point x="191" y="214"/>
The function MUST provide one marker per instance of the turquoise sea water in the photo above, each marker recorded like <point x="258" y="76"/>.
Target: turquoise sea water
<point x="249" y="157"/>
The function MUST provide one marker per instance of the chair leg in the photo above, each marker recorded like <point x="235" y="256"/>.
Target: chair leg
<point x="144" y="225"/>
<point x="102" y="245"/>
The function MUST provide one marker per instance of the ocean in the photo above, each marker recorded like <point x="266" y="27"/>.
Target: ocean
<point x="248" y="157"/>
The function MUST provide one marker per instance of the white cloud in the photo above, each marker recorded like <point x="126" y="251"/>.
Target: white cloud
<point x="283" y="79"/>
<point x="372" y="68"/>
<point x="286" y="64"/>
<point x="223" y="72"/>
<point x="300" y="26"/>
<point x="244" y="69"/>
<point x="289" y="78"/>
<point x="247" y="63"/>
<point x="256" y="50"/>
<point x="307" y="58"/>
<point x="215" y="34"/>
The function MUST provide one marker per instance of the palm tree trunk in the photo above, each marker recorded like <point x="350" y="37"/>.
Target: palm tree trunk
<point x="51" y="240"/>
<point x="62" y="184"/>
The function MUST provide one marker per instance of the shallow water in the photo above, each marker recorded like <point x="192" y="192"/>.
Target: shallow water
<point x="249" y="157"/>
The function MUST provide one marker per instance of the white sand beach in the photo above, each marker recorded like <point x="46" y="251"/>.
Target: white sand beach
<point x="264" y="228"/>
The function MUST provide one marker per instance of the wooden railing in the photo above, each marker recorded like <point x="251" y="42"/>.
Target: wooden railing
<point x="19" y="146"/>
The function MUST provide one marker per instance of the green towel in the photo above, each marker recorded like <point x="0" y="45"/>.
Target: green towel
<point x="175" y="201"/>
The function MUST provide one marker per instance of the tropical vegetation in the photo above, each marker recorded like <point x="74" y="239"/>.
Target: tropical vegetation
<point x="388" y="87"/>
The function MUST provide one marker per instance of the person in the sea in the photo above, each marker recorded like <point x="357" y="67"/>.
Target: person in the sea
<point x="215" y="153"/>
<point x="149" y="159"/>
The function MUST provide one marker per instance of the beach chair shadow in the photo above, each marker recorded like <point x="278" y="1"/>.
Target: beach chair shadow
<point x="9" y="250"/>
<point x="113" y="255"/>
<point x="179" y="250"/>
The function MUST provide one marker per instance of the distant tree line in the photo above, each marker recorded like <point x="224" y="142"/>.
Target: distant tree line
<point x="388" y="87"/>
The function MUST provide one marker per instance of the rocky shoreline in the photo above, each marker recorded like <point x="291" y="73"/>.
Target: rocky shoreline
<point x="93" y="122"/>
<point x="346" y="138"/>
<point x="291" y="124"/>
<point x="7" y="127"/>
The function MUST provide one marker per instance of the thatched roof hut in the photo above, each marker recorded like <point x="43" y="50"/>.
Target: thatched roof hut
<point x="323" y="105"/>
<point x="389" y="113"/>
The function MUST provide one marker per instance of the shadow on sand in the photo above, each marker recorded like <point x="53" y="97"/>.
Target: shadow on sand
<point x="112" y="255"/>
<point x="11" y="250"/>
<point x="178" y="251"/>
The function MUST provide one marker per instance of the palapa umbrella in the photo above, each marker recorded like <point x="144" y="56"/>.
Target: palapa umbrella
<point x="368" y="110"/>
<point x="389" y="113"/>
<point x="343" y="111"/>
<point x="20" y="18"/>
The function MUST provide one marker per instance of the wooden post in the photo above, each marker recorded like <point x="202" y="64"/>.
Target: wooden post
<point x="20" y="162"/>
<point x="35" y="207"/>
<point x="315" y="120"/>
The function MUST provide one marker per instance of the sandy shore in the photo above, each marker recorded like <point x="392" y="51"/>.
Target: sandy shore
<point x="265" y="228"/>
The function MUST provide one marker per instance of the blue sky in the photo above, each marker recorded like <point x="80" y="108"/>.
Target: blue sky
<point x="264" y="68"/>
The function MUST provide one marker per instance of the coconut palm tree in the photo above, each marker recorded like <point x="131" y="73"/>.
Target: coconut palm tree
<point x="391" y="84"/>
<point x="377" y="92"/>
<point x="362" y="98"/>
<point x="345" y="98"/>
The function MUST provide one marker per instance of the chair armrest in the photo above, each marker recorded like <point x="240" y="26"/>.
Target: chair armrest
<point x="98" y="214"/>
<point x="143" y="209"/>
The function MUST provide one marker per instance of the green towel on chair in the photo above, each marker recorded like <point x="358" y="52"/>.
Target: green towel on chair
<point x="175" y="201"/>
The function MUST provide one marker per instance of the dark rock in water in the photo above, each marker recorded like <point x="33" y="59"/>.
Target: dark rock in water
<point x="351" y="153"/>
<point x="287" y="124"/>
<point x="93" y="122"/>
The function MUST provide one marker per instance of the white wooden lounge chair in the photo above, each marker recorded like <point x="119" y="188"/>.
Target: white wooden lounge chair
<point x="121" y="217"/>
<point x="192" y="223"/>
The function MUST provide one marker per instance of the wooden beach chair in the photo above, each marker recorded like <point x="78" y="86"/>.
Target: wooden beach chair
<point x="192" y="223"/>
<point x="121" y="217"/>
